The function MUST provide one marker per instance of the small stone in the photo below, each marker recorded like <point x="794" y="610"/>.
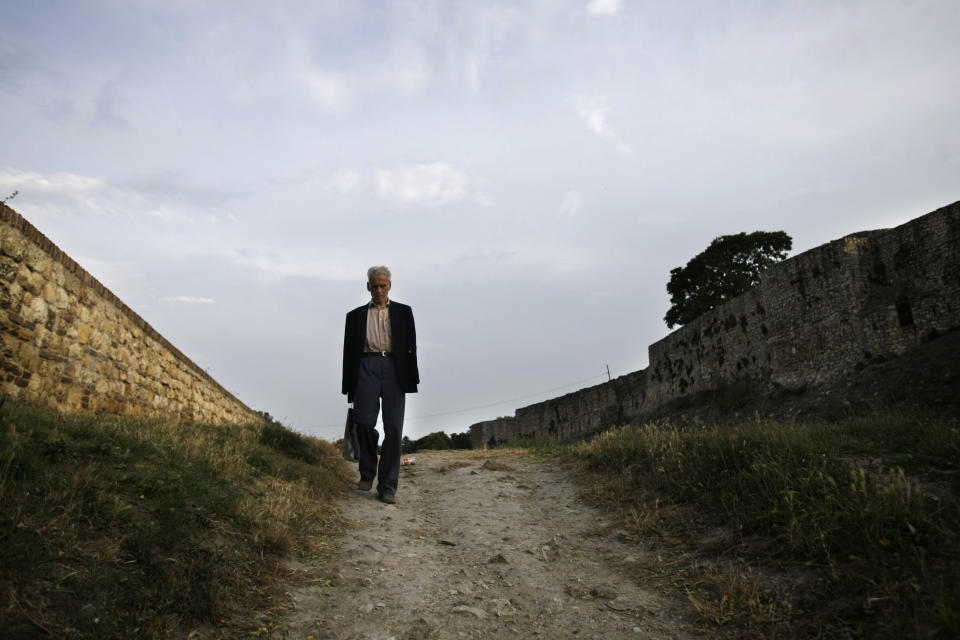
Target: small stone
<point x="620" y="604"/>
<point x="503" y="607"/>
<point x="479" y="613"/>
<point x="365" y="608"/>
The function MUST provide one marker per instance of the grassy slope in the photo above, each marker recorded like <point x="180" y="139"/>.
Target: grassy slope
<point x="112" y="527"/>
<point x="847" y="529"/>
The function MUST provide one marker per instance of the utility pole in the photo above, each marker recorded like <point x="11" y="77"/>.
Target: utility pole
<point x="608" y="373"/>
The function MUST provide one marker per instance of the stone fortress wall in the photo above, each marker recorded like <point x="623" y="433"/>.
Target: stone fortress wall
<point x="71" y="344"/>
<point x="813" y="318"/>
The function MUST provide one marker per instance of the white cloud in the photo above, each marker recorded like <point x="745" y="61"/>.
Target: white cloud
<point x="328" y="90"/>
<point x="164" y="213"/>
<point x="181" y="214"/>
<point x="522" y="255"/>
<point x="487" y="28"/>
<point x="118" y="275"/>
<point x="345" y="181"/>
<point x="433" y="183"/>
<point x="325" y="263"/>
<point x="50" y="182"/>
<point x="594" y="113"/>
<point x="187" y="299"/>
<point x="405" y="68"/>
<point x="63" y="193"/>
<point x="603" y="7"/>
<point x="571" y="204"/>
<point x="475" y="62"/>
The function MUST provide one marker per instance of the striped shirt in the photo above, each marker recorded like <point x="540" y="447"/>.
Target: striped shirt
<point x="378" y="328"/>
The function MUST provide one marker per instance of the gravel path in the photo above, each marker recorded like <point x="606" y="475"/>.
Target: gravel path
<point x="479" y="545"/>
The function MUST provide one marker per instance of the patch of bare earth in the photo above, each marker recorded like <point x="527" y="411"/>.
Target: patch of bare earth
<point x="479" y="545"/>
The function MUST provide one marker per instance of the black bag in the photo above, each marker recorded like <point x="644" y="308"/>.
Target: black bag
<point x="351" y="447"/>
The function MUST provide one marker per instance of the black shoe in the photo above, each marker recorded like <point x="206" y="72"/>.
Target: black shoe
<point x="365" y="485"/>
<point x="388" y="498"/>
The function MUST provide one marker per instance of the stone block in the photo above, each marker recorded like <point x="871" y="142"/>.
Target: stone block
<point x="75" y="352"/>
<point x="8" y="271"/>
<point x="19" y="320"/>
<point x="12" y="244"/>
<point x="83" y="333"/>
<point x="30" y="281"/>
<point x="16" y="293"/>
<point x="35" y="258"/>
<point x="28" y="355"/>
<point x="54" y="295"/>
<point x="71" y="285"/>
<point x="35" y="311"/>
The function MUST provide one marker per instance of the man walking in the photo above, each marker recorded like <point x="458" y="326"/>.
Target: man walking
<point x="379" y="368"/>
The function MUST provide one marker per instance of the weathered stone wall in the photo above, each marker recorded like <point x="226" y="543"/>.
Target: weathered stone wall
<point x="729" y="343"/>
<point x="865" y="296"/>
<point x="568" y="417"/>
<point x="71" y="344"/>
<point x="813" y="318"/>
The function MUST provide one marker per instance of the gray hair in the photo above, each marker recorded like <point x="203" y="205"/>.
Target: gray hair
<point x="378" y="270"/>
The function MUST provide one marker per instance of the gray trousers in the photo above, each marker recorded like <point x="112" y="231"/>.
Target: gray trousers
<point x="376" y="384"/>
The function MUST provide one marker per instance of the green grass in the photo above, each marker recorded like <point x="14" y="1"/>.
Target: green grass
<point x="845" y="529"/>
<point x="119" y="528"/>
<point x="540" y="444"/>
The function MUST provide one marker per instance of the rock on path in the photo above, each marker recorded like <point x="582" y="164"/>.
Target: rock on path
<point x="479" y="545"/>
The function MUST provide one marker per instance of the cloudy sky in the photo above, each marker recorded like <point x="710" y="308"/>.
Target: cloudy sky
<point x="531" y="171"/>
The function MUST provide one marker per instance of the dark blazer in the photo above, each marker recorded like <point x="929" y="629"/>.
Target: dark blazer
<point x="403" y="337"/>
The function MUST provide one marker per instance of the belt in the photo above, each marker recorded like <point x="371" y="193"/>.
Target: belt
<point x="382" y="354"/>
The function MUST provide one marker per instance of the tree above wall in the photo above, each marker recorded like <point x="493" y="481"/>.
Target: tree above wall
<point x="725" y="269"/>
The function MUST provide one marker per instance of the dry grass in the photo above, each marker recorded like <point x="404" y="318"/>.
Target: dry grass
<point x="493" y="464"/>
<point x="111" y="527"/>
<point x="787" y="530"/>
<point x="739" y="597"/>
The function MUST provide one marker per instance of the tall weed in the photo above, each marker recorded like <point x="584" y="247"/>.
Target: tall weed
<point x="869" y="505"/>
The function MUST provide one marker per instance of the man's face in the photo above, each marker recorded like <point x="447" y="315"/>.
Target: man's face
<point x="379" y="287"/>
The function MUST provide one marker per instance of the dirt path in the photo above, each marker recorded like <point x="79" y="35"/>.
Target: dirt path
<point x="479" y="545"/>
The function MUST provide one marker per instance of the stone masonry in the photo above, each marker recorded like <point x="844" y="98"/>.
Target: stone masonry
<point x="813" y="318"/>
<point x="71" y="344"/>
